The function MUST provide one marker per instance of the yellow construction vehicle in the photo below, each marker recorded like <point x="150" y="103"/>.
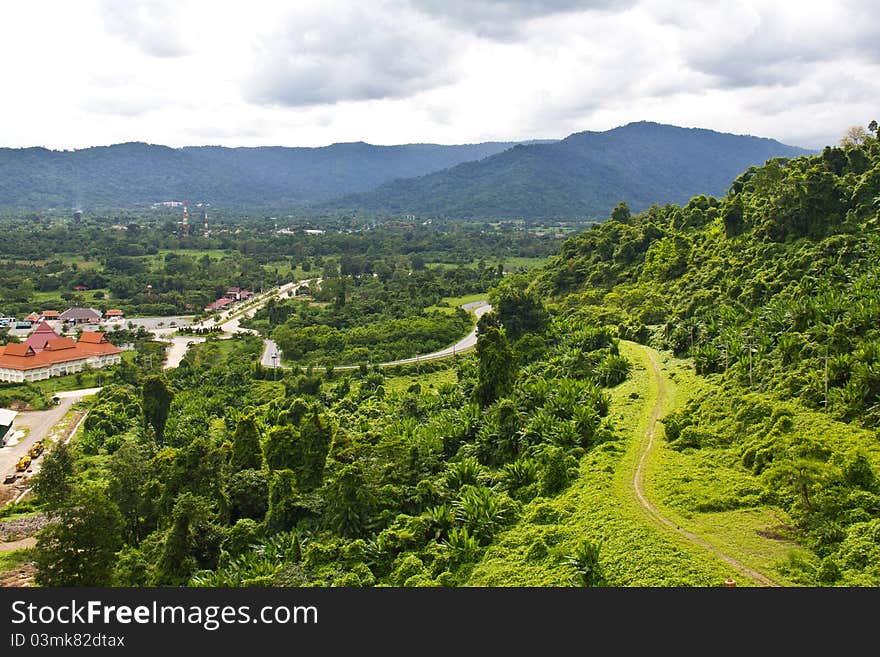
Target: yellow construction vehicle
<point x="36" y="449"/>
<point x="23" y="463"/>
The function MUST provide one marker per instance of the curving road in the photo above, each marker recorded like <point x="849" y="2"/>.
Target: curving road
<point x="229" y="323"/>
<point x="639" y="484"/>
<point x="478" y="308"/>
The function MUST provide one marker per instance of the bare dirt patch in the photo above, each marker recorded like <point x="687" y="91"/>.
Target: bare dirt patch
<point x="20" y="577"/>
<point x="780" y="533"/>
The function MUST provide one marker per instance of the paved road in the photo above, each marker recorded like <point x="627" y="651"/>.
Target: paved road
<point x="229" y="323"/>
<point x="39" y="424"/>
<point x="478" y="308"/>
<point x="149" y="323"/>
<point x="270" y="349"/>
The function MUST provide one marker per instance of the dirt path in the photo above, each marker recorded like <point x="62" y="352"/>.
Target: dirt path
<point x="639" y="485"/>
<point x="28" y="542"/>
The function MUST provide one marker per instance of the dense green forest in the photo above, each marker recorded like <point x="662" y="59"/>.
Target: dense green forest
<point x="139" y="263"/>
<point x="137" y="174"/>
<point x="583" y="175"/>
<point x="753" y="316"/>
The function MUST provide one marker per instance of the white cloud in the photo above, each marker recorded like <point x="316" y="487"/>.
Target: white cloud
<point x="396" y="71"/>
<point x="154" y="26"/>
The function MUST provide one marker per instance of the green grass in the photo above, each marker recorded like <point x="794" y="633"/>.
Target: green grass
<point x="429" y="381"/>
<point x="600" y="505"/>
<point x="87" y="297"/>
<point x="706" y="492"/>
<point x="14" y="559"/>
<point x="515" y="263"/>
<point x="455" y="302"/>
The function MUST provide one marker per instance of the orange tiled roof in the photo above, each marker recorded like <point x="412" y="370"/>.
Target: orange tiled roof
<point x="61" y="343"/>
<point x="63" y="350"/>
<point x="92" y="337"/>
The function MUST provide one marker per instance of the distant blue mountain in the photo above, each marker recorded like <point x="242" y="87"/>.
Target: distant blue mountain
<point x="133" y="174"/>
<point x="584" y="175"/>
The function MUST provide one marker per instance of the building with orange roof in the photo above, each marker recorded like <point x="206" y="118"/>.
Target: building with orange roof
<point x="58" y="356"/>
<point x="114" y="313"/>
<point x="50" y="314"/>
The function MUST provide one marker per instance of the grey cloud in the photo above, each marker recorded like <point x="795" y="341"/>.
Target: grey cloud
<point x="350" y="56"/>
<point x="777" y="50"/>
<point x="501" y="19"/>
<point x="150" y="25"/>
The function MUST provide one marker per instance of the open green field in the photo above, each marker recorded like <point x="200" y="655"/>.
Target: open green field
<point x="429" y="381"/>
<point x="67" y="258"/>
<point x="455" y="302"/>
<point x="88" y="297"/>
<point x="157" y="259"/>
<point x="516" y="263"/>
<point x="510" y="263"/>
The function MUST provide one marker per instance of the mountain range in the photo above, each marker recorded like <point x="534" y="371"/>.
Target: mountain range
<point x="583" y="175"/>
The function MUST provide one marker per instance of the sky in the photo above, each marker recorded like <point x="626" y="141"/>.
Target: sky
<point x="81" y="73"/>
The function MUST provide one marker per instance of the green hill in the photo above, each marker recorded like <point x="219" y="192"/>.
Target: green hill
<point x="584" y="175"/>
<point x="137" y="174"/>
<point x="772" y="293"/>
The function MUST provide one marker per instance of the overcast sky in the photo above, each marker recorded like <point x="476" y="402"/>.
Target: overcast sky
<point x="78" y="73"/>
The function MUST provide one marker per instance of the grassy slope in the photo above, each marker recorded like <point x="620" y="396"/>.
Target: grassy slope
<point x="601" y="506"/>
<point x="686" y="485"/>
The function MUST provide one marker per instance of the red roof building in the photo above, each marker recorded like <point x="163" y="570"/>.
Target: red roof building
<point x="38" y="339"/>
<point x="58" y="356"/>
<point x="219" y="304"/>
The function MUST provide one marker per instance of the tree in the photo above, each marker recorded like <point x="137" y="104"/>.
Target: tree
<point x="79" y="549"/>
<point x="854" y="136"/>
<point x="53" y="484"/>
<point x="621" y="213"/>
<point x="496" y="372"/>
<point x="518" y="310"/>
<point x="191" y="543"/>
<point x="157" y="397"/>
<point x="246" y="453"/>
<point x="284" y="502"/>
<point x="349" y="502"/>
<point x="315" y="436"/>
<point x="248" y="494"/>
<point x="128" y="474"/>
<point x="280" y="447"/>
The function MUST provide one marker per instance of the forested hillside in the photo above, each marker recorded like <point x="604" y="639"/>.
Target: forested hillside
<point x="584" y="175"/>
<point x="772" y="289"/>
<point x="138" y="174"/>
<point x="519" y="463"/>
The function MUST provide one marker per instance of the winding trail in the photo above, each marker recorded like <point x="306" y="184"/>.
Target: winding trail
<point x="639" y="483"/>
